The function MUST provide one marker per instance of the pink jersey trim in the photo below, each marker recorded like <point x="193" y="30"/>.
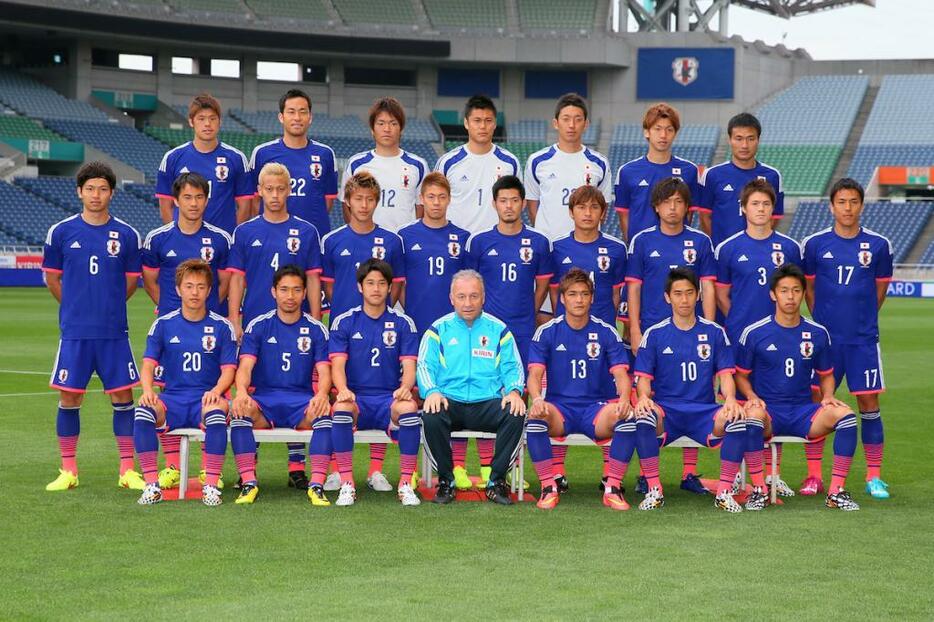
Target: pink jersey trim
<point x="134" y="274"/>
<point x="696" y="208"/>
<point x="312" y="270"/>
<point x="622" y="209"/>
<point x="149" y="358"/>
<point x="228" y="366"/>
<point x="743" y="370"/>
<point x="334" y="355"/>
<point x="67" y="389"/>
<point x="643" y="374"/>
<point x="883" y="279"/>
<point x="248" y="356"/>
<point x="824" y="372"/>
<point x="236" y="270"/>
<point x="708" y="278"/>
<point x="150" y="269"/>
<point x="624" y="366"/>
<point x="164" y="196"/>
<point x="632" y="279"/>
<point x="128" y="386"/>
<point x="327" y="279"/>
<point x="719" y="284"/>
<point x="531" y="365"/>
<point x="726" y="370"/>
<point x="53" y="270"/>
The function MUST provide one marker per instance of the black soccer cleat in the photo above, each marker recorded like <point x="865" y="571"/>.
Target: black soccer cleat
<point x="642" y="485"/>
<point x="498" y="492"/>
<point x="444" y="494"/>
<point x="561" y="483"/>
<point x="298" y="479"/>
<point x="602" y="486"/>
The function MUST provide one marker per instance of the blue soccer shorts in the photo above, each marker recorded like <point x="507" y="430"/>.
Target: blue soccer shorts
<point x="283" y="409"/>
<point x="580" y="418"/>
<point x="694" y="420"/>
<point x="792" y="420"/>
<point x="182" y="409"/>
<point x="77" y="359"/>
<point x="375" y="412"/>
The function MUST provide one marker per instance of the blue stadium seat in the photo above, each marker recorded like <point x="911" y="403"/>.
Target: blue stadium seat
<point x="31" y="98"/>
<point x="28" y="216"/>
<point x="124" y="143"/>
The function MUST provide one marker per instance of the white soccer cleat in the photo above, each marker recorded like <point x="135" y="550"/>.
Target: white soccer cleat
<point x="151" y="495"/>
<point x="407" y="496"/>
<point x="781" y="488"/>
<point x="378" y="482"/>
<point x="653" y="500"/>
<point x="333" y="482"/>
<point x="211" y="495"/>
<point x="347" y="495"/>
<point x="727" y="503"/>
<point x="737" y="484"/>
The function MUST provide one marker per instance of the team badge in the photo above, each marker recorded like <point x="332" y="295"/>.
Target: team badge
<point x="157" y="372"/>
<point x="208" y="330"/>
<point x="405" y="177"/>
<point x="603" y="262"/>
<point x="208" y="342"/>
<point x="593" y="349"/>
<point x="703" y="351"/>
<point x="690" y="256"/>
<point x="778" y="258"/>
<point x="484" y="341"/>
<point x="588" y="178"/>
<point x="805" y="334"/>
<point x="389" y="324"/>
<point x="207" y="253"/>
<point x="221" y="171"/>
<point x="454" y="249"/>
<point x="315" y="170"/>
<point x="304" y="344"/>
<point x="293" y="244"/>
<point x="379" y="252"/>
<point x="807" y="349"/>
<point x="62" y="375"/>
<point x="389" y="338"/>
<point x="684" y="69"/>
<point x="865" y="258"/>
<point x="302" y="330"/>
<point x="113" y="247"/>
<point x="526" y="241"/>
<point x="525" y="254"/>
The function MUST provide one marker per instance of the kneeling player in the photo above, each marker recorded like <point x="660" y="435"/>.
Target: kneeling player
<point x="776" y="357"/>
<point x="280" y="350"/>
<point x="581" y="354"/>
<point x="680" y="358"/>
<point x="372" y="347"/>
<point x="197" y="352"/>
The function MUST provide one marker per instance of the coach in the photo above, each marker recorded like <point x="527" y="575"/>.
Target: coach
<point x="471" y="377"/>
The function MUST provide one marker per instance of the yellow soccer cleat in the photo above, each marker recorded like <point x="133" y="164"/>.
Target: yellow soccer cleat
<point x="316" y="496"/>
<point x="131" y="479"/>
<point x="484" y="476"/>
<point x="169" y="477"/>
<point x="461" y="479"/>
<point x="203" y="476"/>
<point x="248" y="494"/>
<point x="66" y="480"/>
<point x="415" y="479"/>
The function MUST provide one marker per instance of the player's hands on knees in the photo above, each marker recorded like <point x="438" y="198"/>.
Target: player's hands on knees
<point x="733" y="410"/>
<point x="833" y="401"/>
<point x="149" y="399"/>
<point x="645" y="407"/>
<point x="514" y="402"/>
<point x="211" y="398"/>
<point x="623" y="409"/>
<point x="345" y="395"/>
<point x="318" y="406"/>
<point x="755" y="402"/>
<point x="402" y="394"/>
<point x="241" y="406"/>
<point x="539" y="409"/>
<point x="435" y="403"/>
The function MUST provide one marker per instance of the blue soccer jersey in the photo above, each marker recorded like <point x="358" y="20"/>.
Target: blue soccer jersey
<point x="431" y="258"/>
<point x="168" y="246"/>
<point x="261" y="247"/>
<point x="682" y="364"/>
<point x="845" y="273"/>
<point x="312" y="177"/>
<point x="634" y="183"/>
<point x="94" y="261"/>
<point x="374" y="348"/>
<point x="227" y="172"/>
<point x="745" y="265"/>
<point x="510" y="265"/>
<point x="604" y="259"/>
<point x="343" y="250"/>
<point x="780" y="360"/>
<point x="191" y="354"/>
<point x="720" y="190"/>
<point x="286" y="354"/>
<point x="579" y="364"/>
<point x="652" y="254"/>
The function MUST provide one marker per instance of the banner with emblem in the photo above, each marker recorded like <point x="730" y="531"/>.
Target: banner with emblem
<point x="685" y="73"/>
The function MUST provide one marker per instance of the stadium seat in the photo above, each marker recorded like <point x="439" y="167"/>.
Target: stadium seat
<point x="479" y="14"/>
<point x="384" y="12"/>
<point x="310" y="10"/>
<point x="557" y="15"/>
<point x="928" y="257"/>
<point x="15" y="126"/>
<point x="122" y="142"/>
<point x="26" y="216"/>
<point x="31" y="98"/>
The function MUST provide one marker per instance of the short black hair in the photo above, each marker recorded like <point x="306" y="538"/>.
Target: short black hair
<point x="787" y="270"/>
<point x="681" y="274"/>
<point x="377" y="265"/>
<point x="847" y="183"/>
<point x="508" y="182"/>
<point x="190" y="179"/>
<point x="291" y="94"/>
<point x="479" y="102"/>
<point x="744" y="119"/>
<point x="289" y="270"/>
<point x="96" y="170"/>
<point x="571" y="99"/>
<point x="668" y="187"/>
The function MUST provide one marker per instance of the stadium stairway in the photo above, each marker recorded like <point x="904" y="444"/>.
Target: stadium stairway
<point x="918" y="252"/>
<point x="852" y="141"/>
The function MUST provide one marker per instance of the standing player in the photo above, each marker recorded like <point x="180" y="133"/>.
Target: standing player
<point x="344" y="250"/>
<point x="552" y="174"/>
<point x="312" y="165"/>
<point x="281" y="349"/>
<point x="197" y="351"/>
<point x="588" y="389"/>
<point x="473" y="167"/>
<point x="679" y="359"/>
<point x="636" y="179"/>
<point x="718" y="203"/>
<point x="398" y="172"/>
<point x="373" y="350"/>
<point x="91" y="263"/>
<point x="848" y="269"/>
<point x="230" y="186"/>
<point x="778" y="356"/>
<point x="189" y="237"/>
<point x="652" y="253"/>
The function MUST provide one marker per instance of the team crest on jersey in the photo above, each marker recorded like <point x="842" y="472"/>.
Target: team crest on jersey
<point x="807" y="349"/>
<point x="207" y="253"/>
<point x="454" y="249"/>
<point x="684" y="69"/>
<point x="157" y="372"/>
<point x="778" y="258"/>
<point x="690" y="255"/>
<point x="603" y="262"/>
<point x="389" y="338"/>
<point x="315" y="170"/>
<point x="221" y="171"/>
<point x="62" y="375"/>
<point x="703" y="351"/>
<point x="304" y="344"/>
<point x="208" y="342"/>
<point x="484" y="341"/>
<point x="405" y="177"/>
<point x="379" y="252"/>
<point x="525" y="254"/>
<point x="865" y="258"/>
<point x="113" y="247"/>
<point x="593" y="349"/>
<point x="588" y="178"/>
<point x="293" y="244"/>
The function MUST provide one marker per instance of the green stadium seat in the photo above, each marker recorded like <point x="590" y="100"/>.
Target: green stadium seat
<point x="22" y="127"/>
<point x="557" y="14"/>
<point x="312" y="10"/>
<point x="476" y="14"/>
<point x="384" y="12"/>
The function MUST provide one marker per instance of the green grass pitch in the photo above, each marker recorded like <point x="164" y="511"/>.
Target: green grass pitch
<point x="93" y="553"/>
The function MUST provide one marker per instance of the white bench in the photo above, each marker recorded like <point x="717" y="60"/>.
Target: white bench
<point x="518" y="474"/>
<point x="772" y="444"/>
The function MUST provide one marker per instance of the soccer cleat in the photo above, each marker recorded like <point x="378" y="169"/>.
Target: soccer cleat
<point x="333" y="482"/>
<point x="347" y="496"/>
<point x="737" y="484"/>
<point x="693" y="483"/>
<point x="549" y="498"/>
<point x="378" y="482"/>
<point x="407" y="496"/>
<point x="203" y="478"/>
<point x="757" y="500"/>
<point x="211" y="495"/>
<point x="414" y="480"/>
<point x="498" y="492"/>
<point x="444" y="493"/>
<point x="152" y="495"/>
<point x="169" y="477"/>
<point x="726" y="502"/>
<point x="561" y="483"/>
<point x="614" y="500"/>
<point x="525" y="484"/>
<point x="131" y="479"/>
<point x="316" y="496"/>
<point x="653" y="500"/>
<point x="298" y="479"/>
<point x="877" y="488"/>
<point x="461" y="479"/>
<point x="642" y="485"/>
<point x="841" y="500"/>
<point x="811" y="486"/>
<point x="484" y="476"/>
<point x="782" y="489"/>
<point x="248" y="493"/>
<point x="66" y="480"/>
<point x="238" y="484"/>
